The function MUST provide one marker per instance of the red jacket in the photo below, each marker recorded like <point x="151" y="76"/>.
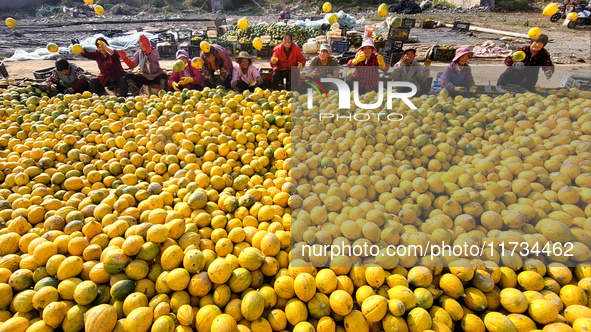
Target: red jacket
<point x="284" y="63"/>
<point x="189" y="71"/>
<point x="109" y="66"/>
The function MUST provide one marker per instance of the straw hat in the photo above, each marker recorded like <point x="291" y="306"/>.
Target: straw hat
<point x="243" y="55"/>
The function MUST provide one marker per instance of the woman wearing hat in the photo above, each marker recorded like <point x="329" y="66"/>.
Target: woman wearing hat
<point x="324" y="65"/>
<point x="109" y="64"/>
<point x="147" y="58"/>
<point x="287" y="60"/>
<point x="457" y="76"/>
<point x="215" y="59"/>
<point x="367" y="61"/>
<point x="189" y="78"/>
<point x="245" y="75"/>
<point x="525" y="73"/>
<point x="409" y="70"/>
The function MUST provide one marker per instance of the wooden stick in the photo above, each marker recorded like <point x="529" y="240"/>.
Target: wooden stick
<point x="494" y="31"/>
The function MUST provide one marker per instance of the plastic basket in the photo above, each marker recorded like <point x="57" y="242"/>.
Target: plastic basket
<point x="219" y="22"/>
<point x="240" y="47"/>
<point x="399" y="34"/>
<point x="3" y="71"/>
<point x="194" y="51"/>
<point x="461" y="26"/>
<point x="42" y="74"/>
<point x="393" y="45"/>
<point x="229" y="47"/>
<point x="167" y="37"/>
<point x="575" y="79"/>
<point x="184" y="35"/>
<point x="391" y="57"/>
<point x="408" y="23"/>
<point x="167" y="51"/>
<point x="427" y="24"/>
<point x="266" y="52"/>
<point x="355" y="40"/>
<point x="441" y="54"/>
<point x="340" y="47"/>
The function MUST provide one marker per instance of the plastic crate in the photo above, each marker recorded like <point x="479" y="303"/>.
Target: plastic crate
<point x="240" y="47"/>
<point x="184" y="35"/>
<point x="355" y="41"/>
<point x="391" y="57"/>
<point x="42" y="74"/>
<point x="194" y="51"/>
<point x="408" y="23"/>
<point x="393" y="45"/>
<point x="340" y="47"/>
<point x="461" y="26"/>
<point x="575" y="79"/>
<point x="266" y="52"/>
<point x="167" y="37"/>
<point x="167" y="51"/>
<point x="196" y="40"/>
<point x="427" y="24"/>
<point x="229" y="47"/>
<point x="399" y="34"/>
<point x="441" y="54"/>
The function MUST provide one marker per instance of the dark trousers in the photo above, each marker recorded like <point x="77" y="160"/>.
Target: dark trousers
<point x="527" y="77"/>
<point x="214" y="81"/>
<point x="99" y="89"/>
<point x="76" y="87"/>
<point x="282" y="77"/>
<point x="241" y="85"/>
<point x="140" y="80"/>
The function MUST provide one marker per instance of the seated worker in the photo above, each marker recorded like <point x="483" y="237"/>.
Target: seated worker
<point x="217" y="59"/>
<point x="147" y="58"/>
<point x="409" y="70"/>
<point x="457" y="76"/>
<point x="111" y="71"/>
<point x="287" y="60"/>
<point x="525" y="73"/>
<point x="324" y="59"/>
<point x="245" y="76"/>
<point x="367" y="63"/>
<point x="67" y="78"/>
<point x="189" y="78"/>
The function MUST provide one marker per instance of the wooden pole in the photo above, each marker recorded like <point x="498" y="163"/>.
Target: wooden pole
<point x="494" y="31"/>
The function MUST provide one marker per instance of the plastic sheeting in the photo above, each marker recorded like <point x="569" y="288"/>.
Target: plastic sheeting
<point x="117" y="43"/>
<point x="343" y="19"/>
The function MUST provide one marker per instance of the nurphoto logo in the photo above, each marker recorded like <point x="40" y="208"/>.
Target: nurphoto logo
<point x="344" y="93"/>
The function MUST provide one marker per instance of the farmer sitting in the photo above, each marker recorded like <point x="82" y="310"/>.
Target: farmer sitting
<point x="324" y="65"/>
<point x="287" y="60"/>
<point x="367" y="63"/>
<point x="147" y="58"/>
<point x="409" y="70"/>
<point x="67" y="78"/>
<point x="111" y="72"/>
<point x="457" y="76"/>
<point x="245" y="76"/>
<point x="217" y="59"/>
<point x="525" y="73"/>
<point x="188" y="78"/>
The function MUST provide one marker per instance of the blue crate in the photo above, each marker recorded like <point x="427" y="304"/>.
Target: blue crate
<point x="340" y="47"/>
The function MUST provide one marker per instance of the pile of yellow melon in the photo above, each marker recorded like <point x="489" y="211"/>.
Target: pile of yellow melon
<point x="174" y="213"/>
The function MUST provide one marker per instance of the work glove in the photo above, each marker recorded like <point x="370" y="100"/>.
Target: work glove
<point x="175" y="86"/>
<point x="549" y="74"/>
<point x="300" y="65"/>
<point x="186" y="80"/>
<point x="69" y="90"/>
<point x="460" y="89"/>
<point x="145" y="43"/>
<point x="518" y="65"/>
<point x="125" y="59"/>
<point x="252" y="83"/>
<point x="274" y="60"/>
<point x="473" y="89"/>
<point x="359" y="58"/>
<point x="381" y="62"/>
<point x="427" y="62"/>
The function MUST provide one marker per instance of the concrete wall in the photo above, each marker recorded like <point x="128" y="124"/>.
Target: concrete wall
<point x="470" y="3"/>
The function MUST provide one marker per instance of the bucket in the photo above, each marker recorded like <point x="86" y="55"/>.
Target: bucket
<point x="310" y="47"/>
